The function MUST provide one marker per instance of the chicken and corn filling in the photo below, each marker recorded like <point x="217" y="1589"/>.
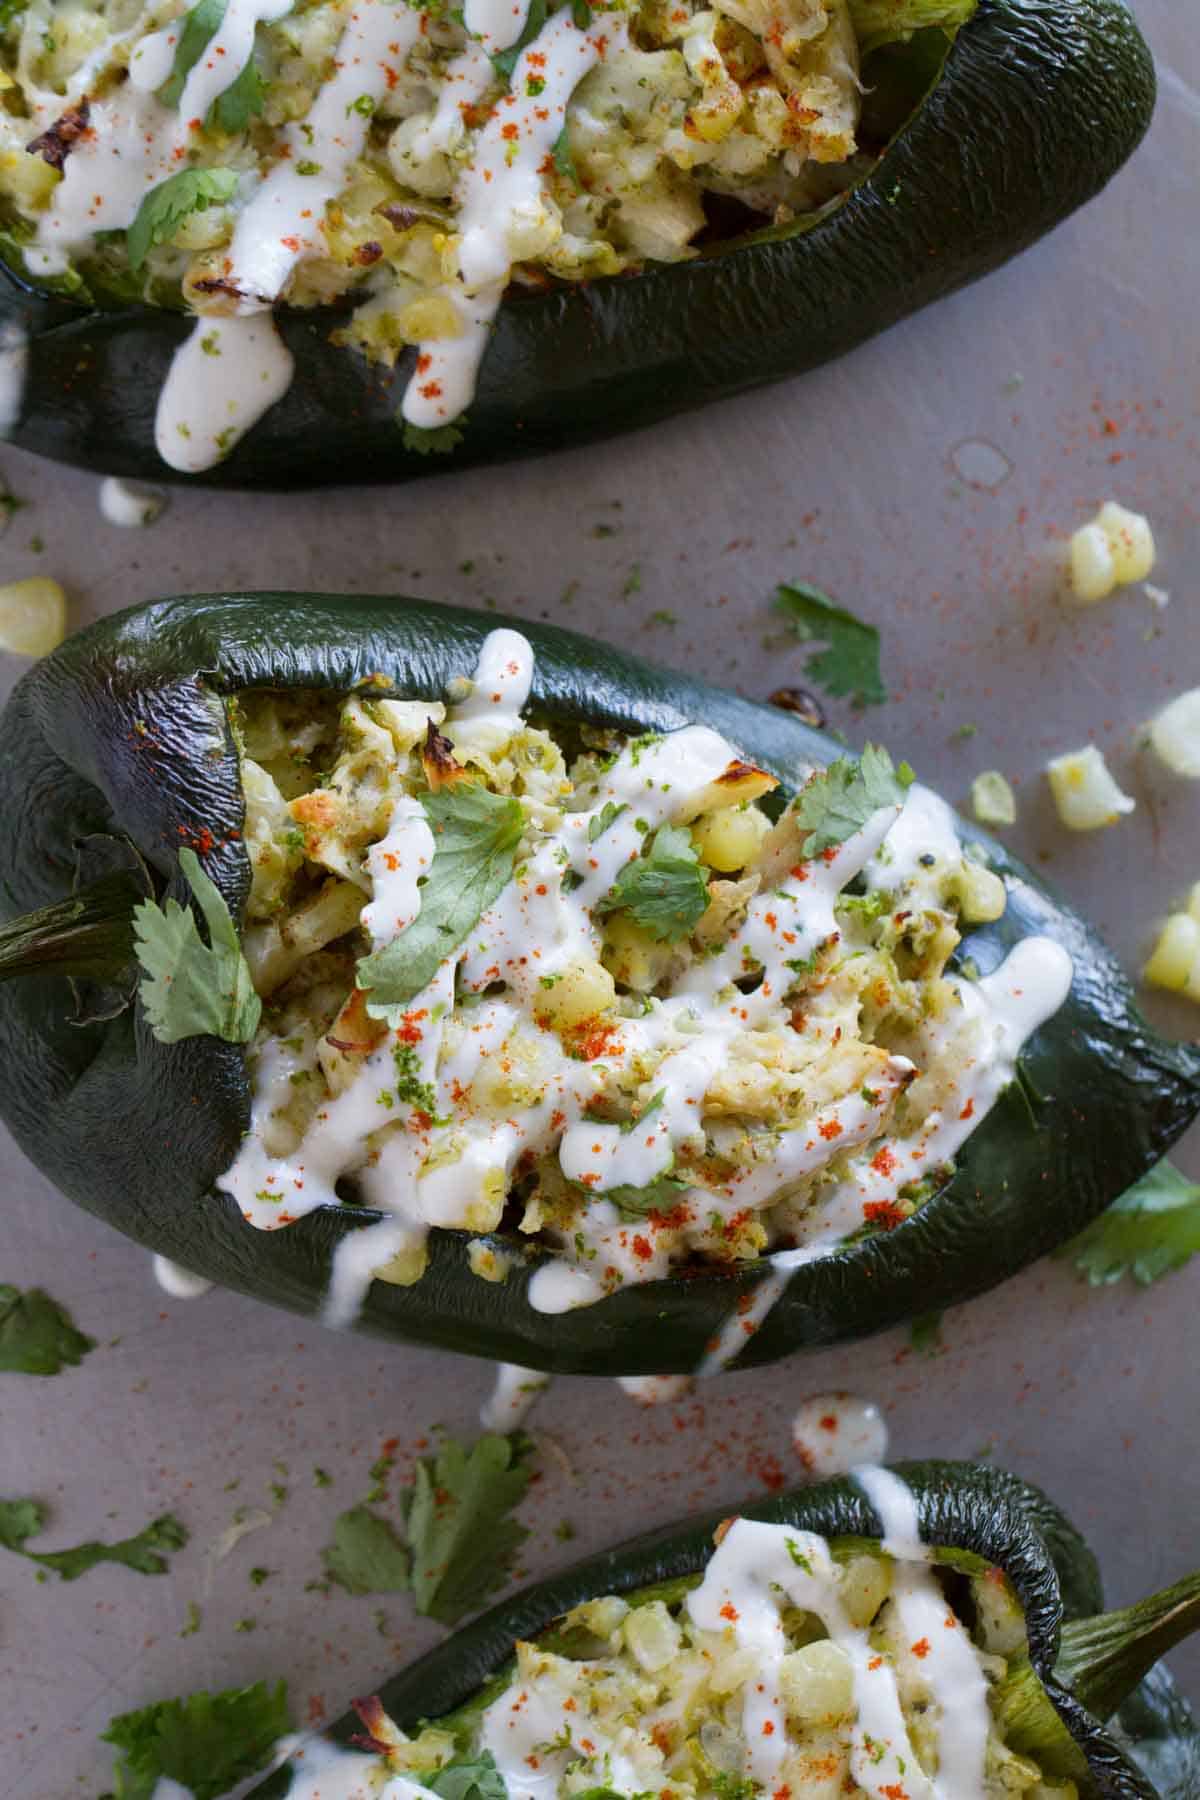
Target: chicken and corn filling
<point x="610" y="996"/>
<point x="413" y="160"/>
<point x="796" y="1667"/>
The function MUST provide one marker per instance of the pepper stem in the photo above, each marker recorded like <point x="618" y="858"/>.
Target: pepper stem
<point x="1101" y="1660"/>
<point x="89" y="936"/>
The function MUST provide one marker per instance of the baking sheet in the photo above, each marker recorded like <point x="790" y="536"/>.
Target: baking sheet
<point x="1067" y="378"/>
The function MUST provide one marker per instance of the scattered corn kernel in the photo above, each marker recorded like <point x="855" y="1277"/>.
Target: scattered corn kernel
<point x="1110" y="551"/>
<point x="1175" y="960"/>
<point x="981" y="895"/>
<point x="992" y="799"/>
<point x="33" y="616"/>
<point x="1175" y="734"/>
<point x="1085" y="794"/>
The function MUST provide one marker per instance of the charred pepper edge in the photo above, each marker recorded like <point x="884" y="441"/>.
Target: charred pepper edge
<point x="1079" y="92"/>
<point x="962" y="1506"/>
<point x="169" y="663"/>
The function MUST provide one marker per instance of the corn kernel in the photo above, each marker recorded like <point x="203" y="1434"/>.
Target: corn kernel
<point x="33" y="616"/>
<point x="1085" y="794"/>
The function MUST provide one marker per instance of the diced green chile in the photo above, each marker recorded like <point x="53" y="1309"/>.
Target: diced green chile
<point x="123" y="731"/>
<point x="1036" y="105"/>
<point x="1082" y="1666"/>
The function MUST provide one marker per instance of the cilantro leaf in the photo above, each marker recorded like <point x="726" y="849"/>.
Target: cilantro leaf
<point x="366" y="1556"/>
<point x="206" y="1742"/>
<point x="505" y="61"/>
<point x="196" y="31"/>
<point x="462" y="1542"/>
<point x="37" y="1337"/>
<point x="146" y="1553"/>
<point x="431" y="440"/>
<point x="232" y="111"/>
<point x="166" y="206"/>
<point x="1152" y="1228"/>
<point x="849" y="664"/>
<point x="608" y="815"/>
<point x="842" y="798"/>
<point x="664" y="890"/>
<point x="467" y="1778"/>
<point x="476" y="834"/>
<point x="925" y="1334"/>
<point x="564" y="161"/>
<point x="658" y="1195"/>
<point x="653" y="1105"/>
<point x="194" y="989"/>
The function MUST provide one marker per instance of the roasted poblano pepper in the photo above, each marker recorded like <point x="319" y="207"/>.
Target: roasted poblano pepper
<point x="991" y="140"/>
<point x="119" y="756"/>
<point x="1080" y="1695"/>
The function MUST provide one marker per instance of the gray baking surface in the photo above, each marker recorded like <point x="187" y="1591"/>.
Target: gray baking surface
<point x="1077" y="364"/>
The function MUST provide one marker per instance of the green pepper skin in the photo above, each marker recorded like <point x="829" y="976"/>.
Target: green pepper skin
<point x="962" y="1506"/>
<point x="121" y="730"/>
<point x="1039" y="104"/>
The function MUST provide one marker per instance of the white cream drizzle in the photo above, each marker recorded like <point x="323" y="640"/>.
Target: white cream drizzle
<point x="655" y="1390"/>
<point x="225" y="56"/>
<point x="834" y="1433"/>
<point x="324" y="1771"/>
<point x="516" y="1392"/>
<point x="221" y="381"/>
<point x="447" y="1169"/>
<point x="756" y="1572"/>
<point x="127" y="506"/>
<point x="177" y="1281"/>
<point x="500" y="196"/>
<point x="497" y="23"/>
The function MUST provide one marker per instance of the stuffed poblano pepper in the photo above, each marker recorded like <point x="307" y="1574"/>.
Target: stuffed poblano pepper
<point x="385" y="238"/>
<point x="544" y="1005"/>
<point x="928" y="1633"/>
